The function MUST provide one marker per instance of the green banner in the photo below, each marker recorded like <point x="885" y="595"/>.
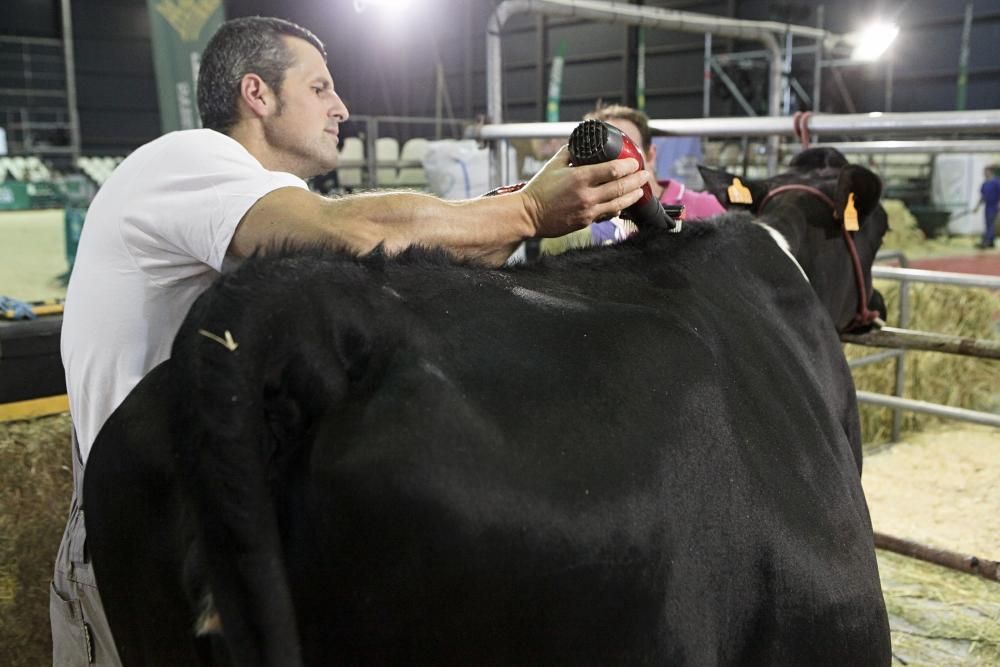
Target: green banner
<point x="555" y="84"/>
<point x="181" y="29"/>
<point x="640" y="72"/>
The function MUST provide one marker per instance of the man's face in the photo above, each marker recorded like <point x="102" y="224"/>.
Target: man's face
<point x="305" y="127"/>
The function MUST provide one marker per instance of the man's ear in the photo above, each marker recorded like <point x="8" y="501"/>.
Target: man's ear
<point x="723" y="185"/>
<point x="257" y="95"/>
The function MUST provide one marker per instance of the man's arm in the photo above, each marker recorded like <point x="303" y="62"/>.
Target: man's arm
<point x="559" y="200"/>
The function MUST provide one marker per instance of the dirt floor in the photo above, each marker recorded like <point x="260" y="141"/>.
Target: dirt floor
<point x="940" y="488"/>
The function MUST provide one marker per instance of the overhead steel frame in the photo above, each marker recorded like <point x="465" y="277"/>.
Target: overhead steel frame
<point x="982" y="122"/>
<point x="766" y="32"/>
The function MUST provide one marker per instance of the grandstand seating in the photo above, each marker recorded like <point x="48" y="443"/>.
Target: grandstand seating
<point x="395" y="166"/>
<point x="386" y="157"/>
<point x="28" y="169"/>
<point x="353" y="151"/>
<point x="413" y="150"/>
<point x="98" y="168"/>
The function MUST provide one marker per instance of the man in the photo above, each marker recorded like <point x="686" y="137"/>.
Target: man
<point x="174" y="211"/>
<point x="989" y="194"/>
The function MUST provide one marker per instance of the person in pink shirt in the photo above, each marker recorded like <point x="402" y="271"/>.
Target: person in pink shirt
<point x="635" y="124"/>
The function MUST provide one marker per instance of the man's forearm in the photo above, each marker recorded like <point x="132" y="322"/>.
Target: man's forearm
<point x="486" y="229"/>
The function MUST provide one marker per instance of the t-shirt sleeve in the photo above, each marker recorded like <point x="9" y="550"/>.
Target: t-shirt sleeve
<point x="190" y="197"/>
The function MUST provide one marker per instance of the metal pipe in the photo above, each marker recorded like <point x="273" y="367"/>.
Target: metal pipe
<point x="919" y="146"/>
<point x="733" y="89"/>
<point x="961" y="414"/>
<point x="706" y="99"/>
<point x="786" y="78"/>
<point x="986" y="568"/>
<point x="654" y="17"/>
<point x="925" y="122"/>
<point x="925" y="340"/>
<point x="818" y="63"/>
<point x="937" y="277"/>
<point x="70" y="59"/>
<point x="872" y="358"/>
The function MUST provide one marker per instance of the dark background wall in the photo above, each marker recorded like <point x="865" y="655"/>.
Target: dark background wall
<point x="387" y="66"/>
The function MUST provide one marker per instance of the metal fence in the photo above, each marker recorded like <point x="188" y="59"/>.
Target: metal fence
<point x="900" y="340"/>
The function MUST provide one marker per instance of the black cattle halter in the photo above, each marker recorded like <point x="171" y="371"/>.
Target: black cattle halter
<point x="864" y="316"/>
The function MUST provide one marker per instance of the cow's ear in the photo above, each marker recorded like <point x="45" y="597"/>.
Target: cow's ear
<point x="723" y="184"/>
<point x="863" y="184"/>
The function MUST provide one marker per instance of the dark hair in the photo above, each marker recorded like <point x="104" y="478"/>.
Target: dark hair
<point x="618" y="111"/>
<point x="251" y="45"/>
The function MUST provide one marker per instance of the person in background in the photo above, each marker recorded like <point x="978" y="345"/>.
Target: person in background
<point x="635" y="124"/>
<point x="989" y="194"/>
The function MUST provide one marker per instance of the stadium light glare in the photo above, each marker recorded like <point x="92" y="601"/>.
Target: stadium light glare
<point x="394" y="5"/>
<point x="873" y="41"/>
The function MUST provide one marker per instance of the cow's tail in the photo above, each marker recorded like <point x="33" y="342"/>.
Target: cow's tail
<point x="249" y="387"/>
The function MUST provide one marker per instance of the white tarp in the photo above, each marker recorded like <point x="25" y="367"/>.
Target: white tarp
<point x="955" y="185"/>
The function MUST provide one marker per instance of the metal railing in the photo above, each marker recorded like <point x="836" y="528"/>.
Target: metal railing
<point x="901" y="339"/>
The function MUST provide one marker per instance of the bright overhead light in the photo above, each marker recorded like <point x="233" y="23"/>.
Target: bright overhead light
<point x="872" y="42"/>
<point x="361" y="5"/>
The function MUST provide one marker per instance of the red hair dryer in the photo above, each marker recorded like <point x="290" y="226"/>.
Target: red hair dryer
<point x="595" y="141"/>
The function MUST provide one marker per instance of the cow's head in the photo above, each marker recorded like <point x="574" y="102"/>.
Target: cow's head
<point x="810" y="205"/>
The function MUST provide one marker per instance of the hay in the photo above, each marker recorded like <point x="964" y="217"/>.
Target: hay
<point x="35" y="488"/>
<point x="906" y="237"/>
<point x="938" y="616"/>
<point x="957" y="381"/>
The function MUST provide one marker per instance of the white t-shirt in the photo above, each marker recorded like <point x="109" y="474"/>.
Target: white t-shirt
<point x="154" y="239"/>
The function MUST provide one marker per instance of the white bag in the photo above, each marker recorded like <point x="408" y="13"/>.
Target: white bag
<point x="457" y="168"/>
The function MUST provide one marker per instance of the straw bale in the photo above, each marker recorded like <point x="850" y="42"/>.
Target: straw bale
<point x="957" y="381"/>
<point x="35" y="489"/>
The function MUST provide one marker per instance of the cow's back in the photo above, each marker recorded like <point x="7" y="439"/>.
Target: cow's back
<point x="642" y="454"/>
<point x="644" y="460"/>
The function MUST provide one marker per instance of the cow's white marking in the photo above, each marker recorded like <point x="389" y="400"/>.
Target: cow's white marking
<point x="391" y="292"/>
<point x="782" y="242"/>
<point x="547" y="300"/>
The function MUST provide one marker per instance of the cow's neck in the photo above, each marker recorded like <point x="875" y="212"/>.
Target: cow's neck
<point x="820" y="253"/>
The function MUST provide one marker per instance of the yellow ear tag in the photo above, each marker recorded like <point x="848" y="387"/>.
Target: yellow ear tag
<point x="850" y="215"/>
<point x="739" y="193"/>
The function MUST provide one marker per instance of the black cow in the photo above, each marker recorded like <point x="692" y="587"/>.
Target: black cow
<point x="640" y="454"/>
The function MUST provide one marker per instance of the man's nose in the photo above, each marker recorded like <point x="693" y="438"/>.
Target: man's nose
<point x="338" y="109"/>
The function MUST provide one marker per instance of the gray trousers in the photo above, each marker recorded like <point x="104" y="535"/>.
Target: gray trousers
<point x="80" y="632"/>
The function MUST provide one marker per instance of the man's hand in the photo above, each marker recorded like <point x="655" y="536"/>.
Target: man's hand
<point x="561" y="199"/>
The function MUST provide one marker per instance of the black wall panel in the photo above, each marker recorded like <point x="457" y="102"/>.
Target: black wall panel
<point x="387" y="66"/>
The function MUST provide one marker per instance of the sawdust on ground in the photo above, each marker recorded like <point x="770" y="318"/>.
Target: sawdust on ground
<point x="940" y="488"/>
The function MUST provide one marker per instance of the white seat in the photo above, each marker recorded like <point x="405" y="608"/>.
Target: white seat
<point x="413" y="150"/>
<point x="353" y="150"/>
<point x="386" y="157"/>
<point x="16" y="167"/>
